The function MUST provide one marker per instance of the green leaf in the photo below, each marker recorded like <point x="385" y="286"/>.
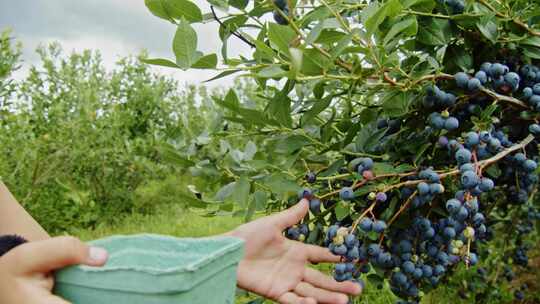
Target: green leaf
<point x="408" y="26"/>
<point x="175" y="10"/>
<point x="315" y="32"/>
<point x="281" y="36"/>
<point x="291" y="143"/>
<point x="281" y="184"/>
<point x="342" y="210"/>
<point x="272" y="71"/>
<point x="435" y="32"/>
<point x="239" y="4"/>
<point x="156" y="8"/>
<point x="161" y="62"/>
<point x="374" y="14"/>
<point x="488" y="28"/>
<point x="368" y="138"/>
<point x="222" y="74"/>
<point x="241" y="191"/>
<point x="279" y="108"/>
<point x="317" y="108"/>
<point x="170" y="155"/>
<point x="397" y="103"/>
<point x="182" y="9"/>
<point x="185" y="45"/>
<point x="206" y="62"/>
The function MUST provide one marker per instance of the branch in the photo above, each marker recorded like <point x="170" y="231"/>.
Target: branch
<point x="237" y="35"/>
<point x="516" y="21"/>
<point x="508" y="99"/>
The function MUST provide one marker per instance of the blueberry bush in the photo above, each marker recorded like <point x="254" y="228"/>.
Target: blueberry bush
<point x="410" y="126"/>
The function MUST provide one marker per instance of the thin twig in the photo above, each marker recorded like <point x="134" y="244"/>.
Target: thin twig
<point x="236" y="34"/>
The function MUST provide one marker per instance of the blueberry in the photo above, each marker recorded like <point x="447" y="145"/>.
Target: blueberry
<point x="311" y="177"/>
<point x="461" y="79"/>
<point x="350" y="240"/>
<point x="400" y="278"/>
<point x="427" y="271"/>
<point x="443" y="141"/>
<point x="379" y="226"/>
<point x="449" y="232"/>
<point x="485" y="67"/>
<point x="497" y="70"/>
<point x="340" y="268"/>
<point x="436" y="120"/>
<point x="529" y="165"/>
<point x="482" y="76"/>
<point x="279" y="18"/>
<point x="534" y="129"/>
<point x="346" y="193"/>
<point x="462" y="214"/>
<point x="486" y="184"/>
<point x="373" y="249"/>
<point x="408" y="267"/>
<point x="451" y="123"/>
<point x="466" y="167"/>
<point x="405" y="246"/>
<point x="513" y="80"/>
<point x="536" y="89"/>
<point x="315" y="205"/>
<point x="474" y="84"/>
<point x="332" y="231"/>
<point x="469" y="179"/>
<point x="520" y="158"/>
<point x="340" y="250"/>
<point x="367" y="163"/>
<point x="381" y="197"/>
<point x="436" y="188"/>
<point x="438" y="270"/>
<point x="366" y="224"/>
<point x="527" y="93"/>
<point x="472" y="139"/>
<point x="423" y="188"/>
<point x="305" y="193"/>
<point x="534" y="100"/>
<point x="485" y="136"/>
<point x="463" y="156"/>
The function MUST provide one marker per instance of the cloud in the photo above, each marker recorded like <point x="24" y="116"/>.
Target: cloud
<point x="116" y="28"/>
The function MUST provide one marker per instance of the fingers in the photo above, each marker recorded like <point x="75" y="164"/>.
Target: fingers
<point x="320" y="295"/>
<point x="55" y="253"/>
<point x="291" y="298"/>
<point x="318" y="279"/>
<point x="293" y="215"/>
<point x="318" y="254"/>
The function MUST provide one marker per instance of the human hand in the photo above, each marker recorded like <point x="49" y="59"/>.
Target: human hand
<point x="26" y="271"/>
<point x="276" y="267"/>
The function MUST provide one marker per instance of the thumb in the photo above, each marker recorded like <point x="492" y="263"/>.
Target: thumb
<point x="49" y="255"/>
<point x="293" y="215"/>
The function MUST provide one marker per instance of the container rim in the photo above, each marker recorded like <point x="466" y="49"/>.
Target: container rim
<point x="190" y="267"/>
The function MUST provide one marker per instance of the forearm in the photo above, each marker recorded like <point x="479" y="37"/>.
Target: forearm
<point x="15" y="220"/>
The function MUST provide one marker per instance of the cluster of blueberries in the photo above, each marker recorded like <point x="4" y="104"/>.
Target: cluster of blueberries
<point x="496" y="75"/>
<point x="418" y="253"/>
<point x="283" y="6"/>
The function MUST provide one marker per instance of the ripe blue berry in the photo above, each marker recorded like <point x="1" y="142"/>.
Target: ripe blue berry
<point x="462" y="79"/>
<point x="315" y="205"/>
<point x="474" y="84"/>
<point x="463" y="156"/>
<point x="451" y="123"/>
<point x="305" y="193"/>
<point x="379" y="226"/>
<point x="366" y="224"/>
<point x="346" y="193"/>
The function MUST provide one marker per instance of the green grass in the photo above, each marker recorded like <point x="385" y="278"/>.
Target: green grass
<point x="182" y="223"/>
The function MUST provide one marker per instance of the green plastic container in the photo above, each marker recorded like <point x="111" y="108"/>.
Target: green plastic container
<point x="155" y="269"/>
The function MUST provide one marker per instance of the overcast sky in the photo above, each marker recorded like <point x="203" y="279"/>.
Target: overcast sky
<point x="114" y="27"/>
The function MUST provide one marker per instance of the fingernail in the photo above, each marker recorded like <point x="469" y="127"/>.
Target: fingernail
<point x="98" y="255"/>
